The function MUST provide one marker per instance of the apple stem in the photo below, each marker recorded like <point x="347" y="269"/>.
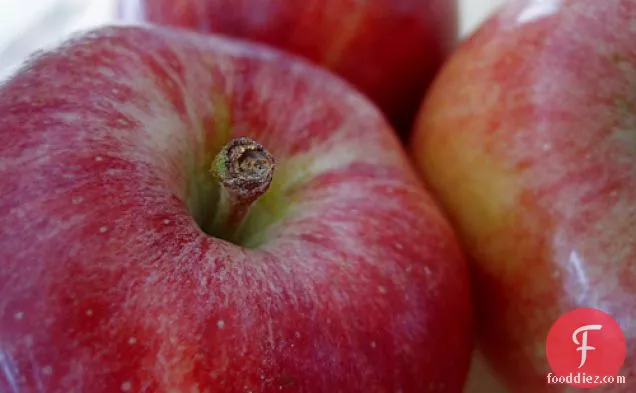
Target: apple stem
<point x="244" y="171"/>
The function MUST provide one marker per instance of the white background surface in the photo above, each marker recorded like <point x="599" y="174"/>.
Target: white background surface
<point x="28" y="25"/>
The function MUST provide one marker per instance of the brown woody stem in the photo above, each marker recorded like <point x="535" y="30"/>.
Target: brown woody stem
<point x="244" y="170"/>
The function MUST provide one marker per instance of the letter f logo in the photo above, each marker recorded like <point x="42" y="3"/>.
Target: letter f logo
<point x="583" y="344"/>
<point x="575" y="329"/>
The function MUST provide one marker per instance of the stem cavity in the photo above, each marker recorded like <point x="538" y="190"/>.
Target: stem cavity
<point x="244" y="170"/>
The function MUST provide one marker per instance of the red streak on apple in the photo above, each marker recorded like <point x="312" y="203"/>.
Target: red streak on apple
<point x="346" y="278"/>
<point x="529" y="140"/>
<point x="389" y="49"/>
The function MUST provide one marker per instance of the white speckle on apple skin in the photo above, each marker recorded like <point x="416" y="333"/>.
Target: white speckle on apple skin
<point x="107" y="72"/>
<point x="99" y="158"/>
<point x="89" y="312"/>
<point x="373" y="344"/>
<point x="18" y="315"/>
<point x="220" y="324"/>
<point x="132" y="341"/>
<point x="126" y="386"/>
<point x="103" y="229"/>
<point x="47" y="370"/>
<point x="166" y="221"/>
<point x="382" y="289"/>
<point x="76" y="200"/>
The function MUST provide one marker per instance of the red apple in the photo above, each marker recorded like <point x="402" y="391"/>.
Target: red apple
<point x="389" y="49"/>
<point x="344" y="276"/>
<point x="528" y="138"/>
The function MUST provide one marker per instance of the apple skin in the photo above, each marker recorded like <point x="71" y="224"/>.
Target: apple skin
<point x="388" y="49"/>
<point x="528" y="139"/>
<point x="347" y="278"/>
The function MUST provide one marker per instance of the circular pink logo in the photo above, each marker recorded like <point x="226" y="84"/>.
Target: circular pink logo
<point x="585" y="348"/>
